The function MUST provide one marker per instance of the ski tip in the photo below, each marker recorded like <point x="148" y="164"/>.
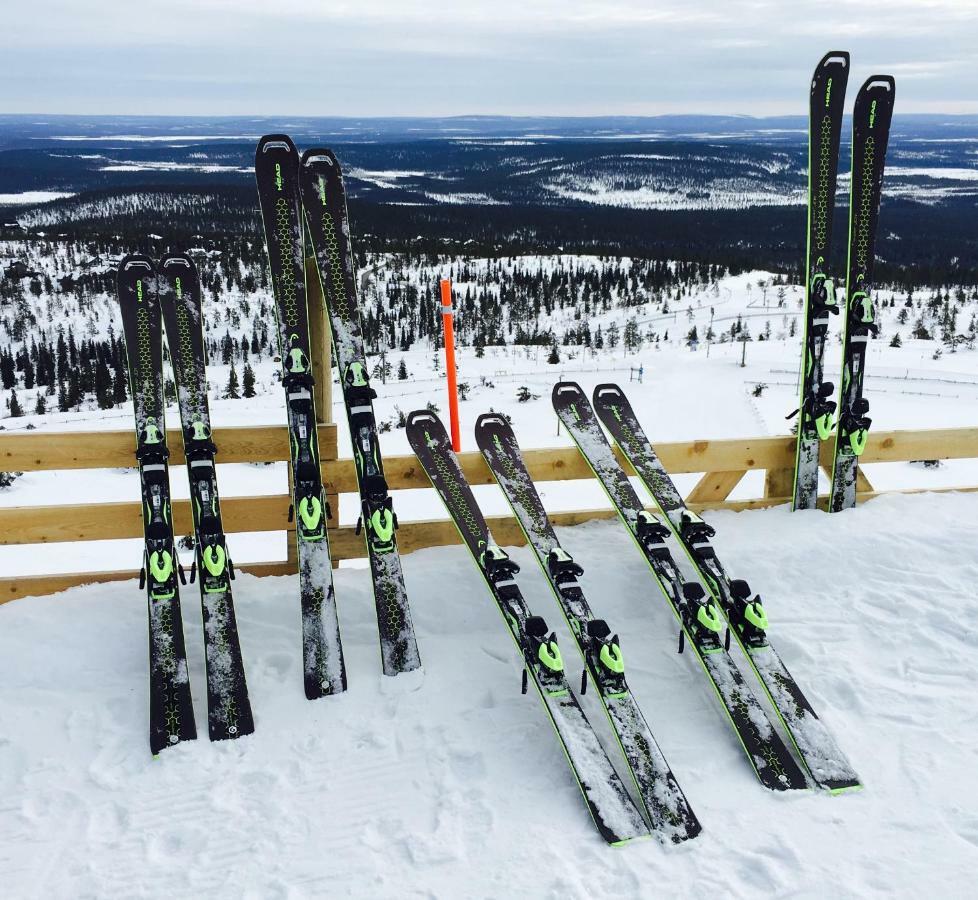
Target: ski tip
<point x="607" y="391"/>
<point x="488" y="421"/>
<point x="565" y="389"/>
<point x="136" y="262"/>
<point x="174" y="262"/>
<point x="879" y="84"/>
<point x="132" y="269"/>
<point x="275" y="144"/>
<point x="422" y="417"/>
<point x="320" y="155"/>
<point x="835" y="59"/>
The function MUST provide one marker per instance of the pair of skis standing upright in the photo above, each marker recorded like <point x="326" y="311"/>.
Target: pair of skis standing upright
<point x="297" y="197"/>
<point x="871" y="117"/>
<point x="302" y="197"/>
<point x="151" y="296"/>
<point x="707" y="619"/>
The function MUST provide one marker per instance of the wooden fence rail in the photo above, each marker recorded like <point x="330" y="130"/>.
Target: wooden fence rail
<point x="724" y="462"/>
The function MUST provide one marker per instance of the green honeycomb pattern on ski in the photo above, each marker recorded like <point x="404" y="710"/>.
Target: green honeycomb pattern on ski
<point x="863" y="233"/>
<point x="822" y="199"/>
<point x="337" y="288"/>
<point x="288" y="290"/>
<point x="318" y="598"/>
<point x="459" y="503"/>
<point x="520" y="490"/>
<point x="392" y="606"/>
<point x="187" y="378"/>
<point x="145" y="353"/>
<point x="168" y="663"/>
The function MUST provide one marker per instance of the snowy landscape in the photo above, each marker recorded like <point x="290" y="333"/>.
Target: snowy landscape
<point x="451" y="785"/>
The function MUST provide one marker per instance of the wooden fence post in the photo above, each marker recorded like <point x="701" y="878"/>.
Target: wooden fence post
<point x="779" y="484"/>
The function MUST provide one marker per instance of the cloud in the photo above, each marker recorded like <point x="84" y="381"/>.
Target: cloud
<point x="378" y="57"/>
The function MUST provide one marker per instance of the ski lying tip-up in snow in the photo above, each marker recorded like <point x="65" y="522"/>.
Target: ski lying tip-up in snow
<point x="171" y="711"/>
<point x="665" y="804"/>
<point x="745" y="616"/>
<point x="700" y="621"/>
<point x="613" y="811"/>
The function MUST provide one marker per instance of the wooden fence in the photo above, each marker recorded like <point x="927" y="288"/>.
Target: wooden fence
<point x="725" y="463"/>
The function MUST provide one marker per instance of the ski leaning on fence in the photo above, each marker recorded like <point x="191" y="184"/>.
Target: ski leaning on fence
<point x="871" y="117"/>
<point x="701" y="623"/>
<point x="614" y="813"/>
<point x="816" y="406"/>
<point x="663" y="799"/>
<point x="324" y="201"/>
<point x="171" y="711"/>
<point x="277" y="174"/>
<point x="228" y="707"/>
<point x="745" y="615"/>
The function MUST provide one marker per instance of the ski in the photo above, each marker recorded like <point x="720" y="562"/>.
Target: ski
<point x="228" y="707"/>
<point x="277" y="175"/>
<point x="746" y="617"/>
<point x="871" y="117"/>
<point x="700" y="621"/>
<point x="816" y="406"/>
<point x="661" y="795"/>
<point x="613" y="811"/>
<point x="324" y="201"/>
<point x="171" y="711"/>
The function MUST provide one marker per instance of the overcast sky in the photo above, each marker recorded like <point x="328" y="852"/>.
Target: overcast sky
<point x="417" y="57"/>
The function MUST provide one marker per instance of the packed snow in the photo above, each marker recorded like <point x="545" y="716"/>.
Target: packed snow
<point x="459" y="788"/>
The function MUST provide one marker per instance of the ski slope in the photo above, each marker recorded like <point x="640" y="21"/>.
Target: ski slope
<point x="457" y="788"/>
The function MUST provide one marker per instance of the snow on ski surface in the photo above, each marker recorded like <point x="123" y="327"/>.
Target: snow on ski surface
<point x="459" y="788"/>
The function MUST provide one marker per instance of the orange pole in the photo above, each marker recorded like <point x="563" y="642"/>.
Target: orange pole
<point x="447" y="319"/>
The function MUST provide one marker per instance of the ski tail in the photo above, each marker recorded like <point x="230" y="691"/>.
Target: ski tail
<point x="228" y="704"/>
<point x="816" y="407"/>
<point x="871" y="117"/>
<point x="327" y="225"/>
<point x="612" y="809"/>
<point x="171" y="709"/>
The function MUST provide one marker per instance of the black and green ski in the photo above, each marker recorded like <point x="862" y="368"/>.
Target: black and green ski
<point x="228" y="707"/>
<point x="816" y="407"/>
<point x="327" y="224"/>
<point x="701" y="623"/>
<point x="171" y="711"/>
<point x="871" y="117"/>
<point x="745" y="615"/>
<point x="613" y="811"/>
<point x="663" y="798"/>
<point x="277" y="176"/>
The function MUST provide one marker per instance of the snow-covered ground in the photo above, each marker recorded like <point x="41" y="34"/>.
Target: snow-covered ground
<point x="458" y="789"/>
